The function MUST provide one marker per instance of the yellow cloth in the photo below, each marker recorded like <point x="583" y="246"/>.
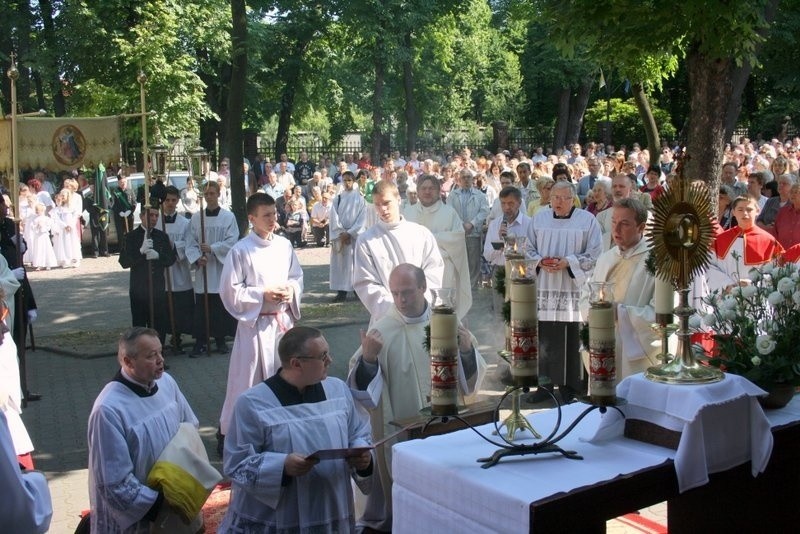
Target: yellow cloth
<point x="183" y="473"/>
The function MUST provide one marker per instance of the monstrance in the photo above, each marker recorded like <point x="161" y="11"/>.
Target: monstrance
<point x="680" y="236"/>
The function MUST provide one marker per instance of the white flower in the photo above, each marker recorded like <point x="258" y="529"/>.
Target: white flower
<point x="795" y="275"/>
<point x="754" y="275"/>
<point x="775" y="298"/>
<point x="767" y="268"/>
<point x="695" y="321"/>
<point x="727" y="315"/>
<point x="765" y="344"/>
<point x="749" y="291"/>
<point x="796" y="297"/>
<point x="756" y="361"/>
<point x="767" y="325"/>
<point x="709" y="320"/>
<point x="728" y="303"/>
<point x="786" y="286"/>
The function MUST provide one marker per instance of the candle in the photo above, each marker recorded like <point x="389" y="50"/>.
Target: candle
<point x="444" y="360"/>
<point x="665" y="298"/>
<point x="524" y="324"/>
<point x="602" y="341"/>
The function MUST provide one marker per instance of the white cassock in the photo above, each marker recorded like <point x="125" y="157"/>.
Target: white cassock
<point x="399" y="391"/>
<point x="221" y="233"/>
<point x="576" y="239"/>
<point x="63" y="228"/>
<point x="11" y="395"/>
<point x="252" y="265"/>
<point x="178" y="232"/>
<point x="348" y="214"/>
<point x="263" y="432"/>
<point x="127" y="433"/>
<point x="9" y="285"/>
<point x="446" y="226"/>
<point x="26" y="505"/>
<point x="637" y="345"/>
<point x="76" y="209"/>
<point x="382" y="248"/>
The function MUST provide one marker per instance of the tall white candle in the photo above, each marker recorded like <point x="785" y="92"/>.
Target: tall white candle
<point x="444" y="361"/>
<point x="524" y="333"/>
<point x="602" y="365"/>
<point x="665" y="297"/>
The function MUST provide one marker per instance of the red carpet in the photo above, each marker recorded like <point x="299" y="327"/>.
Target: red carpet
<point x="215" y="507"/>
<point x="642" y="524"/>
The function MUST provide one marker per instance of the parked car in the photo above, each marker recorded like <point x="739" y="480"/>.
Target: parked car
<point x="135" y="181"/>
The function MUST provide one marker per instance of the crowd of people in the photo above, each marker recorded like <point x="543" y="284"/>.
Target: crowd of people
<point x="395" y="232"/>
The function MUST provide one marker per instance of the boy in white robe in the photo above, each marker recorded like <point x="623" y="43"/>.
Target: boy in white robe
<point x="209" y="251"/>
<point x="347" y="218"/>
<point x="261" y="286"/>
<point x="390" y="242"/>
<point x="277" y="486"/>
<point x="132" y="420"/>
<point x="390" y="377"/>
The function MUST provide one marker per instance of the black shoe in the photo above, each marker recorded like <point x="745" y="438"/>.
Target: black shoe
<point x="220" y="443"/>
<point x="222" y="347"/>
<point x="197" y="351"/>
<point x="568" y="394"/>
<point x="341" y="296"/>
<point x="31" y="397"/>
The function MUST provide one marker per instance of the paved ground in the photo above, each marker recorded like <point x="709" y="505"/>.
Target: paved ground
<point x="83" y="310"/>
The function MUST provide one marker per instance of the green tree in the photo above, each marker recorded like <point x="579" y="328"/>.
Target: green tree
<point x="625" y="116"/>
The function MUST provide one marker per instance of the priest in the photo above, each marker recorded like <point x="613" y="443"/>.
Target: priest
<point x="347" y="217"/>
<point x="741" y="248"/>
<point x="567" y="242"/>
<point x="260" y="286"/>
<point x="637" y="345"/>
<point x="277" y="483"/>
<point x="445" y="224"/>
<point x="390" y="376"/>
<point x="390" y="242"/>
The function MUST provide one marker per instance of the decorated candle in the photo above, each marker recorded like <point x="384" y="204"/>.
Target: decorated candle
<point x="444" y="354"/>
<point x="602" y="354"/>
<point x="524" y="323"/>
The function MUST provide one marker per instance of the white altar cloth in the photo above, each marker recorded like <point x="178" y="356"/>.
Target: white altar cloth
<point x="440" y="487"/>
<point x="721" y="424"/>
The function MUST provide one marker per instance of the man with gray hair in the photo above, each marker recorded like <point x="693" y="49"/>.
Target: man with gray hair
<point x="566" y="240"/>
<point x="472" y="207"/>
<point x="637" y="344"/>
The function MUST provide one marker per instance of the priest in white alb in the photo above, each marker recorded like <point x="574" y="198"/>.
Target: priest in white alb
<point x="446" y="226"/>
<point x="347" y="217"/>
<point x="637" y="344"/>
<point x="390" y="376"/>
<point x="260" y="286"/>
<point x="390" y="242"/>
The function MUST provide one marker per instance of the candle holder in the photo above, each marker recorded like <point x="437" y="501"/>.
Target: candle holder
<point x="524" y="324"/>
<point x="602" y="345"/>
<point x="664" y="331"/>
<point x="444" y="353"/>
<point x="515" y="422"/>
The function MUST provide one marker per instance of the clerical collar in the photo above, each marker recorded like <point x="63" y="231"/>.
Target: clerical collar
<point x="261" y="240"/>
<point x="169" y="219"/>
<point x="430" y="209"/>
<point x="213" y="213"/>
<point x="289" y="395"/>
<point x="137" y="387"/>
<point x="567" y="216"/>
<point x="425" y="317"/>
<point x="390" y="226"/>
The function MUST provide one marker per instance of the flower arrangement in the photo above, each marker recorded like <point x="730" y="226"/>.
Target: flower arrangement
<point x="756" y="327"/>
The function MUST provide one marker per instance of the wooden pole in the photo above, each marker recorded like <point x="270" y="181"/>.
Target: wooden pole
<point x="142" y="79"/>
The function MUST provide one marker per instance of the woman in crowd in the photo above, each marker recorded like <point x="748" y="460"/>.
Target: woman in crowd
<point x="725" y="216"/>
<point x="601" y="197"/>
<point x="544" y="185"/>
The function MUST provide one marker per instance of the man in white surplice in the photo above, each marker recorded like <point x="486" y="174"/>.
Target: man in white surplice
<point x="390" y="242"/>
<point x="567" y="241"/>
<point x="637" y="345"/>
<point x="445" y="224"/>
<point x="277" y="483"/>
<point x="132" y="421"/>
<point x="390" y="376"/>
<point x="347" y="217"/>
<point x="261" y="286"/>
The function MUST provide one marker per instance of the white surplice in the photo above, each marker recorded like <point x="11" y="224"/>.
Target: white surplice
<point x="221" y="233"/>
<point x="637" y="345"/>
<point x="446" y="226"/>
<point x="262" y="433"/>
<point x="178" y="232"/>
<point x="399" y="390"/>
<point x="348" y="214"/>
<point x="127" y="433"/>
<point x="252" y="265"/>
<point x="382" y="248"/>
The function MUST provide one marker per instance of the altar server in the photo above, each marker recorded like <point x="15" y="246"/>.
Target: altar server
<point x="276" y="426"/>
<point x="260" y="286"/>
<point x="348" y="215"/>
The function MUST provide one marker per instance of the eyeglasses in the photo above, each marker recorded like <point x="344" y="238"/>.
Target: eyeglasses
<point x="324" y="358"/>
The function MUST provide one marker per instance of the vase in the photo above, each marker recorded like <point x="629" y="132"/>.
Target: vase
<point x="778" y="396"/>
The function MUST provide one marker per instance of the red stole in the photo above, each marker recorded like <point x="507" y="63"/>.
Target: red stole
<point x="759" y="246"/>
<point x="792" y="254"/>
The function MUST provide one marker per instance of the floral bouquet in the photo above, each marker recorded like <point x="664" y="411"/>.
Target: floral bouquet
<point x="756" y="327"/>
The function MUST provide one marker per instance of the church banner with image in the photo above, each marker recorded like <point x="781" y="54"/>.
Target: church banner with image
<point x="62" y="143"/>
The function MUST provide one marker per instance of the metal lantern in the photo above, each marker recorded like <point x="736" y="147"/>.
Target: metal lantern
<point x="158" y="160"/>
<point x="198" y="163"/>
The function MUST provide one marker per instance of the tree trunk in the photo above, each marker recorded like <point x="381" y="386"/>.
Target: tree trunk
<point x="412" y="114"/>
<point x="742" y="74"/>
<point x="294" y="67"/>
<point x="711" y="87"/>
<point x="377" y="100"/>
<point x="562" y="120"/>
<point x="577" y="108"/>
<point x="650" y="127"/>
<point x="50" y="45"/>
<point x="238" y="82"/>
